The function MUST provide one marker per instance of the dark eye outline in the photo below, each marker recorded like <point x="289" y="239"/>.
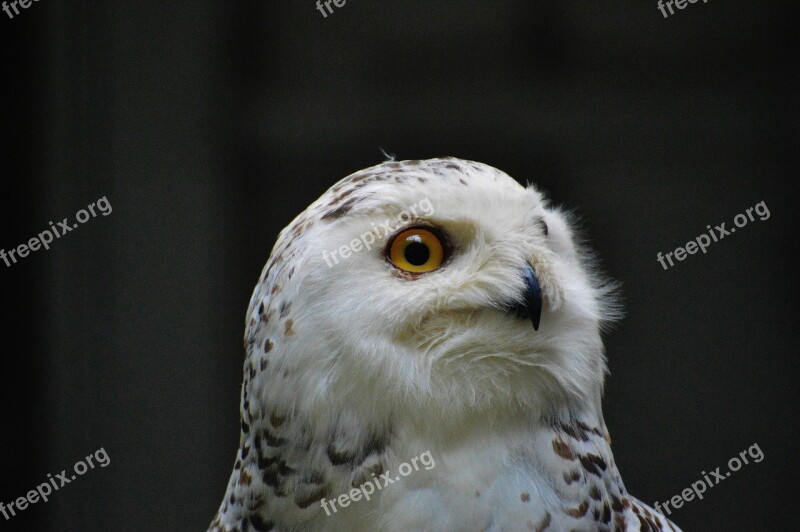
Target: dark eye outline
<point x="435" y="231"/>
<point x="543" y="225"/>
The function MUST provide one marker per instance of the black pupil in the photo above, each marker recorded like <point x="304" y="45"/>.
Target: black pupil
<point x="417" y="253"/>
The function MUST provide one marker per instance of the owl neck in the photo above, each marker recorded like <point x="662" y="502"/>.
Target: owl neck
<point x="453" y="422"/>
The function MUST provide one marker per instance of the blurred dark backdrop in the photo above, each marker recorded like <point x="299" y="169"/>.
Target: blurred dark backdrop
<point x="209" y="125"/>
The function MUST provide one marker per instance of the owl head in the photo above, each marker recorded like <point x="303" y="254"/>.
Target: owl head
<point x="439" y="287"/>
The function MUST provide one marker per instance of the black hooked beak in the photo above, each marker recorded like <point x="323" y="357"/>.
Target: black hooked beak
<point x="531" y="305"/>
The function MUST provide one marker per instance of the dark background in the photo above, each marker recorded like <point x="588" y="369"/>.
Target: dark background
<point x="210" y="125"/>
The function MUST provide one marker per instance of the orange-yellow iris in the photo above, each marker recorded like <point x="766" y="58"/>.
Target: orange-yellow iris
<point x="416" y="250"/>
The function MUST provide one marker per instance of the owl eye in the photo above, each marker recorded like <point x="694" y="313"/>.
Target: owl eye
<point x="416" y="250"/>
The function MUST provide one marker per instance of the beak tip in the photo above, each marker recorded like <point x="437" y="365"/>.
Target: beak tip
<point x="531" y="305"/>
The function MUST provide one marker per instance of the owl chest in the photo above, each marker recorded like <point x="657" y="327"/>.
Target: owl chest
<point x="533" y="481"/>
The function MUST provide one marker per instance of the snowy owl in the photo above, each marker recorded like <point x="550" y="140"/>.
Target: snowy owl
<point x="423" y="352"/>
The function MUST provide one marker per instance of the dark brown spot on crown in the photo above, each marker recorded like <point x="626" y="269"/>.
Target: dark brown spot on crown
<point x="344" y="194"/>
<point x="340" y="211"/>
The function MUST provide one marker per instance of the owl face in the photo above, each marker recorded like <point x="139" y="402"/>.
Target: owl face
<point x="445" y="282"/>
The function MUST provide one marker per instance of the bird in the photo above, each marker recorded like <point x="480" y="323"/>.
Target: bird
<point x="424" y="351"/>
